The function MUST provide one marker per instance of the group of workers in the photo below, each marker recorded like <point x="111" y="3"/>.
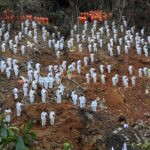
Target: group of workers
<point x="96" y="39"/>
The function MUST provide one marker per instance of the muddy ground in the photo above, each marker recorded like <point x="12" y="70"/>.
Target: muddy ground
<point x="84" y="129"/>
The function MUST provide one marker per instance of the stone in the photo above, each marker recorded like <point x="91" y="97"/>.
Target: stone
<point x="3" y="90"/>
<point x="146" y="91"/>
<point x="119" y="129"/>
<point x="115" y="132"/>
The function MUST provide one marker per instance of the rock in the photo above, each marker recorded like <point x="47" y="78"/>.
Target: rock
<point x="146" y="91"/>
<point x="86" y="114"/>
<point x="119" y="129"/>
<point x="115" y="132"/>
<point x="29" y="44"/>
<point x="147" y="115"/>
<point x="93" y="131"/>
<point x="89" y="116"/>
<point x="55" y="145"/>
<point x="102" y="107"/>
<point x="3" y="90"/>
<point x="98" y="99"/>
<point x="139" y="124"/>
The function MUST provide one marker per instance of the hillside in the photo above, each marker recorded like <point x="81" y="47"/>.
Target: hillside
<point x="83" y="128"/>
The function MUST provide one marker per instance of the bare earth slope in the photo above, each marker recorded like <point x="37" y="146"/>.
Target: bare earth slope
<point x="84" y="129"/>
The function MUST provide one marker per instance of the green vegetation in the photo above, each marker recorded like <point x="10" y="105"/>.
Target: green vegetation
<point x="68" y="146"/>
<point x="14" y="138"/>
<point x="141" y="146"/>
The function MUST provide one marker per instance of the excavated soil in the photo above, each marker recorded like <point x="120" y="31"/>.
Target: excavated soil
<point x="84" y="129"/>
